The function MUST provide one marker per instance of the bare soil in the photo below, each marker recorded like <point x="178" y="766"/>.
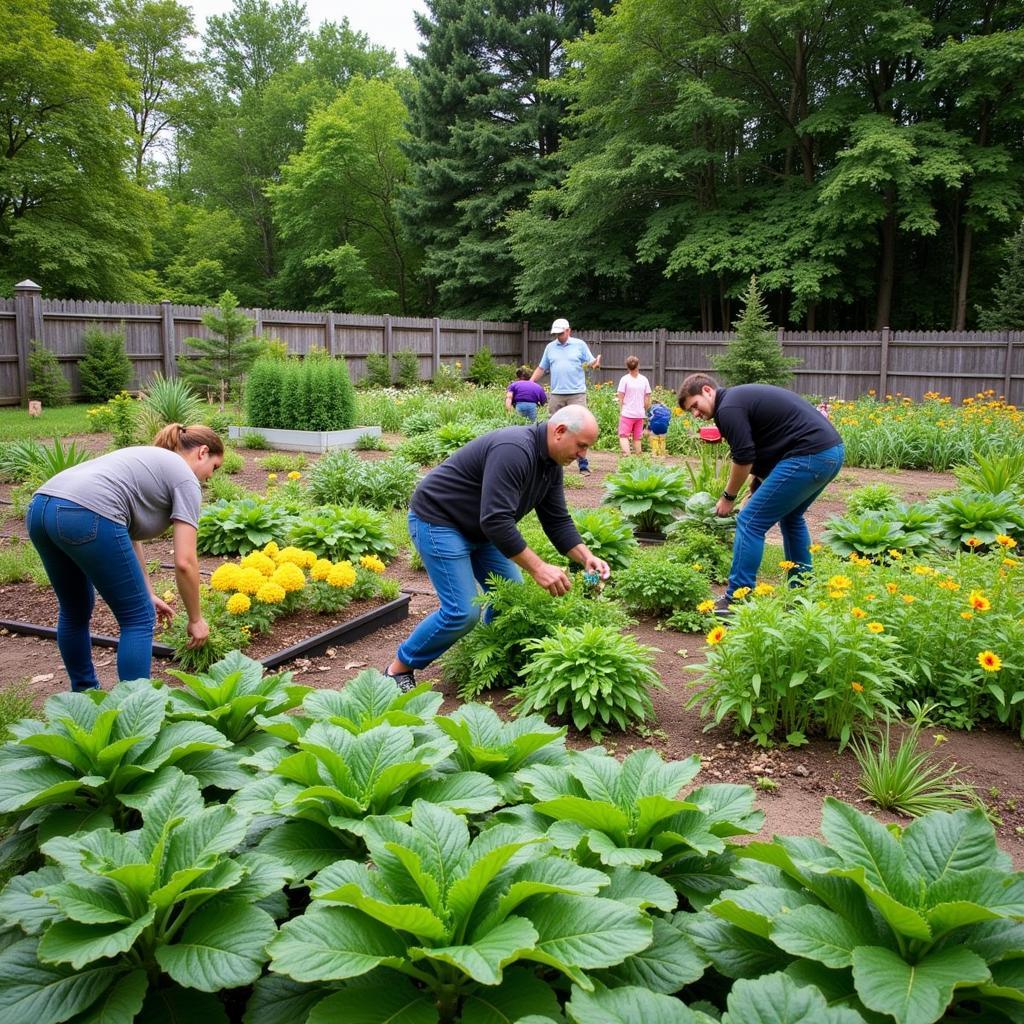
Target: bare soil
<point x="794" y="781"/>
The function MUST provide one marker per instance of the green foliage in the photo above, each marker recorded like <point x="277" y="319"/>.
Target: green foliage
<point x="61" y="422"/>
<point x="168" y="400"/>
<point x="754" y="355"/>
<point x="280" y="462"/>
<point x="872" y="498"/>
<point x="344" y="532"/>
<point x="608" y="535"/>
<point x="370" y="443"/>
<point x="905" y="921"/>
<point x="1007" y="310"/>
<point x="698" y="512"/>
<point x="233" y="462"/>
<point x="104" y="369"/>
<point x="254" y="441"/>
<point x="993" y="473"/>
<point x="595" y="676"/>
<point x="486" y="371"/>
<point x="448" y="379"/>
<point x="341" y="478"/>
<point x="650" y="495"/>
<point x="407" y="368"/>
<point x="422" y="421"/>
<point x="15" y="704"/>
<point x="494" y="652"/>
<point x="309" y="394"/>
<point x="33" y="463"/>
<point x="19" y="563"/>
<point x="875" y="533"/>
<point x="656" y="585"/>
<point x="226" y="357"/>
<point x="378" y="371"/>
<point x="695" y="546"/>
<point x="123" y="410"/>
<point x="227" y="634"/>
<point x="907" y="779"/>
<point x="968" y="516"/>
<point x="238" y="527"/>
<point x="46" y="380"/>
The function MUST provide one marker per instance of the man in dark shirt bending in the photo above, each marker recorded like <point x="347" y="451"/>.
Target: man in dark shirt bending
<point x="790" y="449"/>
<point x="463" y="516"/>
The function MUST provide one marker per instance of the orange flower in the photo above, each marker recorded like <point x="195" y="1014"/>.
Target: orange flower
<point x="858" y="613"/>
<point x="840" y="582"/>
<point x="1005" y="542"/>
<point x="978" y="601"/>
<point x="973" y="542"/>
<point x="892" y="588"/>
<point x="786" y="565"/>
<point x="876" y="627"/>
<point x="948" y="585"/>
<point x="814" y="549"/>
<point x="990" y="661"/>
<point x="716" y="636"/>
<point x="967" y="615"/>
<point x="739" y="593"/>
<point x="856" y="687"/>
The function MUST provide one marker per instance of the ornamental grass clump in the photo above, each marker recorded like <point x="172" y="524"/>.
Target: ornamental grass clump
<point x="594" y="676"/>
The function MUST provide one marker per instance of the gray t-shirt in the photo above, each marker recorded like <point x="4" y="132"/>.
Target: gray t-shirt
<point x="142" y="488"/>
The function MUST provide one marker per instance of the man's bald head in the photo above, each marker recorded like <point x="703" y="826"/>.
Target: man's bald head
<point x="571" y="431"/>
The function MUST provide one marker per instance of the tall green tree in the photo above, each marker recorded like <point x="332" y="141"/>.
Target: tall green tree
<point x="483" y="127"/>
<point x="71" y="217"/>
<point x="222" y="360"/>
<point x="1006" y="313"/>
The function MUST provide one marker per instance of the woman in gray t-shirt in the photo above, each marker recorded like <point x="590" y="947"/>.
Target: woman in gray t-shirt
<point x="87" y="524"/>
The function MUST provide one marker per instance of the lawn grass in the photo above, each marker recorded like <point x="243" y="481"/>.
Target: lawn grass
<point x="15" y="422"/>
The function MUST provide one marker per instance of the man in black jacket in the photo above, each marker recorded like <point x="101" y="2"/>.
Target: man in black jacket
<point x="792" y="451"/>
<point x="463" y="516"/>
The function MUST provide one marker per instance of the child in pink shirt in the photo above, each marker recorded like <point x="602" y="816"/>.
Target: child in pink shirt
<point x="634" y="394"/>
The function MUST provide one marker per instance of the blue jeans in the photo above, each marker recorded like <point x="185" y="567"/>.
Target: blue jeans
<point x="455" y="566"/>
<point x="80" y="551"/>
<point x="528" y="410"/>
<point x="783" y="498"/>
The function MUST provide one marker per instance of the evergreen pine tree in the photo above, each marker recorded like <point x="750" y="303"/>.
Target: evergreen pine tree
<point x="226" y="357"/>
<point x="1007" y="311"/>
<point x="754" y="356"/>
<point x="482" y="131"/>
<point x="105" y="369"/>
<point x="46" y="380"/>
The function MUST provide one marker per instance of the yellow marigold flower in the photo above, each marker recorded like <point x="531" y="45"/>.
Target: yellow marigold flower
<point x="249" y="580"/>
<point x="948" y="585"/>
<point x="294" y="475"/>
<point x="257" y="560"/>
<point x="785" y="565"/>
<point x="706" y="606"/>
<point x="876" y="627"/>
<point x="271" y="549"/>
<point x="321" y="568"/>
<point x="837" y="595"/>
<point x="858" y="613"/>
<point x="289" y="577"/>
<point x="923" y="570"/>
<point x="1010" y="563"/>
<point x="814" y="549"/>
<point x="373" y="563"/>
<point x="763" y="590"/>
<point x="271" y="478"/>
<point x="290" y="555"/>
<point x="169" y="596"/>
<point x="1004" y="541"/>
<point x="341" y="575"/>
<point x="270" y="593"/>
<point x="239" y="604"/>
<point x="895" y="554"/>
<point x="696" y="567"/>
<point x="225" y="577"/>
<point x="840" y="582"/>
<point x="973" y="542"/>
<point x="716" y="636"/>
<point x="909" y="599"/>
<point x="990" y="661"/>
<point x="740" y="592"/>
<point x="967" y="615"/>
<point x="978" y="601"/>
<point x="892" y="588"/>
<point x="857" y="687"/>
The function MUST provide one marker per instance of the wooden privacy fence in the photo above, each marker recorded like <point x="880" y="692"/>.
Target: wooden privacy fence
<point x="842" y="364"/>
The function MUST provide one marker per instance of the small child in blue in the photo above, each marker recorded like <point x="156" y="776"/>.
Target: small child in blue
<point x="660" y="418"/>
<point x="525" y="395"/>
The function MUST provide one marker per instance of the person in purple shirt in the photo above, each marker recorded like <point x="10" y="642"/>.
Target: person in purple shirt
<point x="525" y="395"/>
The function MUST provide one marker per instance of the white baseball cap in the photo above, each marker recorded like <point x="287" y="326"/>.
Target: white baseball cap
<point x="561" y="324"/>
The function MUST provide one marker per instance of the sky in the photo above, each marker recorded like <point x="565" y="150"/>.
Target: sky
<point x="387" y="22"/>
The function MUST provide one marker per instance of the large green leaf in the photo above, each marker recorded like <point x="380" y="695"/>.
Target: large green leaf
<point x="39" y="782"/>
<point x="818" y="934"/>
<point x="304" y="847"/>
<point x="964" y="898"/>
<point x="70" y="942"/>
<point x="777" y="999"/>
<point x="756" y="907"/>
<point x="733" y="951"/>
<point x="19" y="906"/>
<point x="222" y="946"/>
<point x="863" y="842"/>
<point x="397" y="1002"/>
<point x="178" y="739"/>
<point x="520" y="995"/>
<point x="168" y="796"/>
<point x="202" y="837"/>
<point x="937" y="843"/>
<point x="670" y="962"/>
<point x="903" y="919"/>
<point x="489" y="953"/>
<point x="277" y="999"/>
<point x="333" y="944"/>
<point x="462" y="792"/>
<point x="917" y="993"/>
<point x="641" y="890"/>
<point x="101" y="901"/>
<point x="628" y="1005"/>
<point x="120" y="1003"/>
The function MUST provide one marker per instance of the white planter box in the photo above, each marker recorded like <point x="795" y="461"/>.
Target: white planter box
<point x="305" y="440"/>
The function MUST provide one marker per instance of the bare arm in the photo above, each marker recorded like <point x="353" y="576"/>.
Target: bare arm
<point x="164" y="612"/>
<point x="537" y="374"/>
<point x="186" y="572"/>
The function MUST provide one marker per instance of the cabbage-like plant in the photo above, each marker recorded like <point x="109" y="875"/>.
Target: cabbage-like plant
<point x="967" y="515"/>
<point x="461" y="917"/>
<point x="649" y="495"/>
<point x="699" y="511"/>
<point x="147" y="924"/>
<point x="344" y="532"/>
<point x="238" y="527"/>
<point x="870" y="533"/>
<point x="608" y="535"/>
<point x="373" y="699"/>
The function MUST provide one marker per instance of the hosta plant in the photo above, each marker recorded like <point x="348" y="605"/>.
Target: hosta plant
<point x="971" y="516"/>
<point x="651" y="496"/>
<point x="914" y="924"/>
<point x="868" y="534"/>
<point x="344" y="532"/>
<point x="595" y="676"/>
<point x="607" y="534"/>
<point x="238" y="527"/>
<point x="148" y="924"/>
<point x="872" y="498"/>
<point x="466" y="919"/>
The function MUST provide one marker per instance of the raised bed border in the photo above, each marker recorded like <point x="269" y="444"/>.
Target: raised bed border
<point x="316" y="441"/>
<point x="344" y="633"/>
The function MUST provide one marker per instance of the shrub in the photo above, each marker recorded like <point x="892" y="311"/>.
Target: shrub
<point x="448" y="378"/>
<point x="33" y="463"/>
<point x="168" y="400"/>
<point x="341" y="478"/>
<point x="254" y="442"/>
<point x="696" y="546"/>
<point x="420" y="422"/>
<point x="281" y="462"/>
<point x="344" y="532"/>
<point x="46" y="380"/>
<point x="313" y="394"/>
<point x="593" y="675"/>
<point x="872" y="498"/>
<point x="486" y="371"/>
<point x="225" y="358"/>
<point x="423" y="449"/>
<point x="378" y="371"/>
<point x="105" y="369"/>
<point x="655" y="585"/>
<point x="607" y="534"/>
<point x="649" y="495"/>
<point x="237" y="527"/>
<point x="994" y="473"/>
<point x="370" y="443"/>
<point x="407" y="369"/>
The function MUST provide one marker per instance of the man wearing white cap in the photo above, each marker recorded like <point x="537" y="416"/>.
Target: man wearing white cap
<point x="566" y="357"/>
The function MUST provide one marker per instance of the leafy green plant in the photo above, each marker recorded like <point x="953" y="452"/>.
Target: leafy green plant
<point x="169" y="401"/>
<point x="20" y="563"/>
<point x="607" y="534"/>
<point x="46" y="380"/>
<point x="595" y="676"/>
<point x="423" y="421"/>
<point x="651" y="496"/>
<point x="370" y="443"/>
<point x="238" y="527"/>
<point x="378" y="371"/>
<point x="967" y="515"/>
<point x="695" y="546"/>
<point x="104" y="369"/>
<point x="698" y="512"/>
<point x="372" y="699"/>
<point x="341" y="478"/>
<point x="486" y="371"/>
<point x="254" y="441"/>
<point x="280" y="462"/>
<point x="233" y="462"/>
<point x="422" y="449"/>
<point x="902" y="924"/>
<point x="993" y="473"/>
<point x="870" y="533"/>
<point x="407" y="368"/>
<point x="28" y="461"/>
<point x="314" y="393"/>
<point x="655" y="585"/>
<point x="344" y="532"/>
<point x="223" y="488"/>
<point x="15" y="704"/>
<point x="908" y="779"/>
<point x="455" y="914"/>
<point x="872" y="498"/>
<point x="119" y="915"/>
<point x="19" y="459"/>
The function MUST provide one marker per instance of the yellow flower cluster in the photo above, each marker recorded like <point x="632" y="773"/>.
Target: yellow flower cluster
<point x="289" y="577"/>
<point x="294" y="556"/>
<point x="238" y="604"/>
<point x="763" y="590"/>
<point x="259" y="561"/>
<point x="342" y="574"/>
<point x="706" y="606"/>
<point x="373" y="563"/>
<point x="270" y="593"/>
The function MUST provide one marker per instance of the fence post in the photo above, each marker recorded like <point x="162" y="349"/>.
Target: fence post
<point x="28" y="326"/>
<point x="329" y="332"/>
<point x="387" y="339"/>
<point x="257" y="322"/>
<point x="1007" y="367"/>
<point x="167" y="339"/>
<point x="479" y="343"/>
<point x="435" y="347"/>
<point x="524" y="345"/>
<point x="883" y="368"/>
<point x="660" y="358"/>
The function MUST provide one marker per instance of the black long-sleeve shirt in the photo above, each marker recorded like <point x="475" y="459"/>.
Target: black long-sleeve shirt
<point x="764" y="424"/>
<point x="487" y="486"/>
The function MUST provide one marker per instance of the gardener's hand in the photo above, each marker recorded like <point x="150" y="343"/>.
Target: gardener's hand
<point x="597" y="565"/>
<point x="554" y="580"/>
<point x="164" y="612"/>
<point x="724" y="507"/>
<point x="198" y="632"/>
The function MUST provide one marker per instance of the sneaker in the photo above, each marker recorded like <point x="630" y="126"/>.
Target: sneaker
<point x="406" y="680"/>
<point x="723" y="607"/>
<point x="584" y="471"/>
